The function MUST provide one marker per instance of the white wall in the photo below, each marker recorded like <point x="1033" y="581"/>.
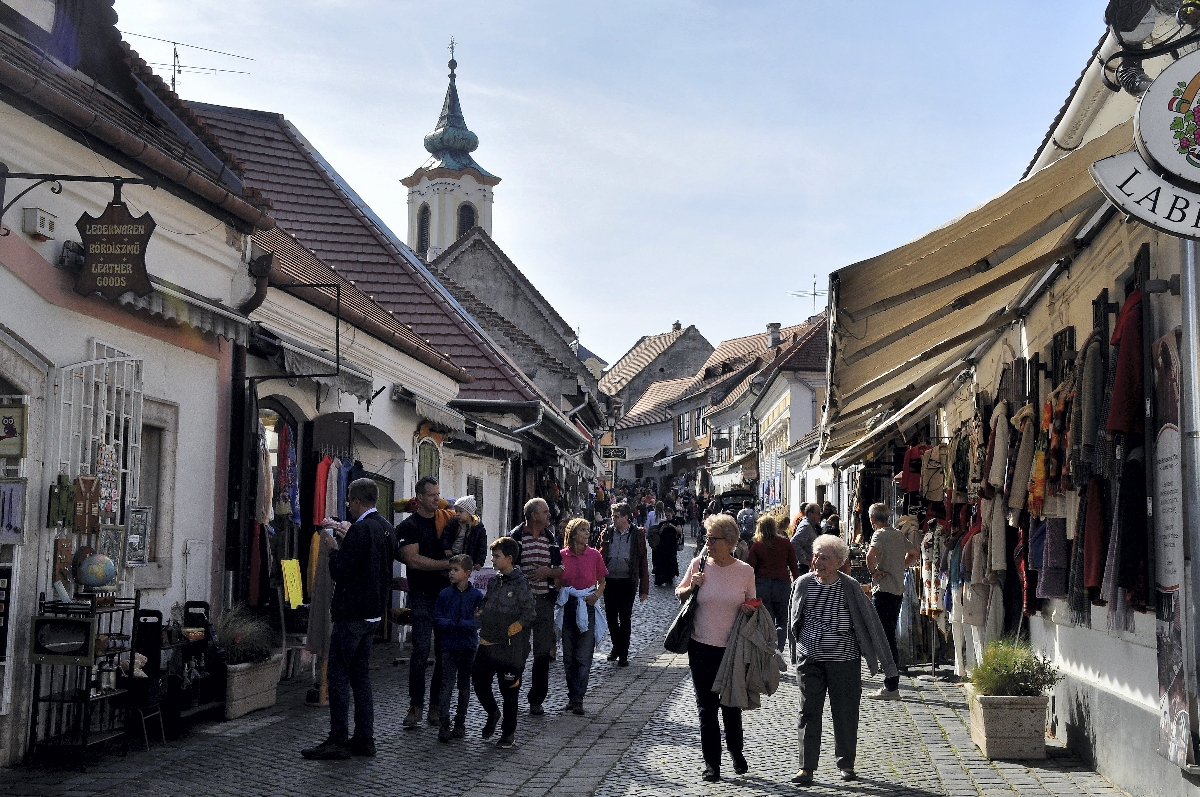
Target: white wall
<point x="444" y="195"/>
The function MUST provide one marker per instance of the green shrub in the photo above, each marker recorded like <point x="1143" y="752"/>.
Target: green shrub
<point x="244" y="636"/>
<point x="1011" y="668"/>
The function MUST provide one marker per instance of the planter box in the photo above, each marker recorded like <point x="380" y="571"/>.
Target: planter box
<point x="249" y="687"/>
<point x="1008" y="727"/>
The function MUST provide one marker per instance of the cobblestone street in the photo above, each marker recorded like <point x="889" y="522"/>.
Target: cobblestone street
<point x="639" y="737"/>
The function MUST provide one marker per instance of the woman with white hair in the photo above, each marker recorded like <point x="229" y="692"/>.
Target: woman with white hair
<point x="834" y="627"/>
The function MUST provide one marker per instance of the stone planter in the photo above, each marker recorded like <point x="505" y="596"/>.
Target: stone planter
<point x="249" y="687"/>
<point x="1008" y="727"/>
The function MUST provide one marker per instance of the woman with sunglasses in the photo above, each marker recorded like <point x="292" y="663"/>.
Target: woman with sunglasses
<point x="724" y="585"/>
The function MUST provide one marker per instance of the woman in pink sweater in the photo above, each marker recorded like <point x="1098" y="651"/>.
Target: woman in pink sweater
<point x="724" y="584"/>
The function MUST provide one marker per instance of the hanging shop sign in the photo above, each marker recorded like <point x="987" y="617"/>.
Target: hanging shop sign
<point x="114" y="246"/>
<point x="614" y="452"/>
<point x="1158" y="183"/>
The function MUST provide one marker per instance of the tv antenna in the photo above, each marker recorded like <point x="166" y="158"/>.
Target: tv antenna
<point x="814" y="293"/>
<point x="189" y="69"/>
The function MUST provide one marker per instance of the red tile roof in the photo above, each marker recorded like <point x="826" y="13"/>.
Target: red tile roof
<point x="311" y="202"/>
<point x="652" y="406"/>
<point x="638" y="357"/>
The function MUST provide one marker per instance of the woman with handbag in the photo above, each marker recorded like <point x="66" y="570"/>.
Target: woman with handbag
<point x="719" y="585"/>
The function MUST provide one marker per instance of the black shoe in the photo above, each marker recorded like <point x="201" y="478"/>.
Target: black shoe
<point x="507" y="741"/>
<point x="363" y="747"/>
<point x="489" y="727"/>
<point x="460" y="730"/>
<point x="327" y="750"/>
<point x="577" y="710"/>
<point x="739" y="763"/>
<point x="444" y="735"/>
<point x="711" y="774"/>
<point x="622" y="662"/>
<point x="803" y="777"/>
<point x="612" y="656"/>
<point x="536" y="709"/>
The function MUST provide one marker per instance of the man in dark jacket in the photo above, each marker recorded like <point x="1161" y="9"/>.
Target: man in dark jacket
<point x="361" y="568"/>
<point x="540" y="559"/>
<point x="624" y="551"/>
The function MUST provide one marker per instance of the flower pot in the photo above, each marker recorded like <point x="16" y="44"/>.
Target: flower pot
<point x="1008" y="727"/>
<point x="249" y="687"/>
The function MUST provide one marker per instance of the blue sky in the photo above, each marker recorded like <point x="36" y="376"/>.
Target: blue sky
<point x="662" y="160"/>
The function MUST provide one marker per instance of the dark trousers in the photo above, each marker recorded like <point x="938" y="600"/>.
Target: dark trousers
<point x="705" y="660"/>
<point x="544" y="646"/>
<point x="486" y="668"/>
<point x="775" y="594"/>
<point x="842" y="680"/>
<point x="456" y="671"/>
<point x="423" y="635"/>
<point x="887" y="606"/>
<point x="578" y="647"/>
<point x="349" y="668"/>
<point x="619" y="594"/>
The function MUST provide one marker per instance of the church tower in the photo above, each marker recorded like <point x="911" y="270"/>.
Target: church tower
<point x="450" y="193"/>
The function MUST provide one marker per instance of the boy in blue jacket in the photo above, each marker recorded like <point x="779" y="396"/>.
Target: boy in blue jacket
<point x="454" y="615"/>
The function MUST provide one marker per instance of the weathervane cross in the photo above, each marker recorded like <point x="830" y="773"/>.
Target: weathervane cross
<point x="451" y="48"/>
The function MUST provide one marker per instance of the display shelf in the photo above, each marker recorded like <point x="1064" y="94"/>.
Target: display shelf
<point x="78" y="696"/>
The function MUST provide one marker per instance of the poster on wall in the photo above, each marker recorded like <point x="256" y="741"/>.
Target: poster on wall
<point x="1173" y="701"/>
<point x="12" y="510"/>
<point x="137" y="536"/>
<point x="12" y="431"/>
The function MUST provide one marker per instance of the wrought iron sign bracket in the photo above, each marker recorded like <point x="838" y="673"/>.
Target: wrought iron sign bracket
<point x="56" y="181"/>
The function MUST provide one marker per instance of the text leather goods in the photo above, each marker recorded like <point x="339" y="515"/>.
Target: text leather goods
<point x="680" y="632"/>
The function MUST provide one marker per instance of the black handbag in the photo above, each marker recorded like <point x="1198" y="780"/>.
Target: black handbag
<point x="680" y="632"/>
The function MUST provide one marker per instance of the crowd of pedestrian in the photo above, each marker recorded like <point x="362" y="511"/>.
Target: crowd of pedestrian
<point x="756" y="583"/>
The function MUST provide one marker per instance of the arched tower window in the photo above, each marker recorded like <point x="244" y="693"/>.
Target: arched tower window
<point x="423" y="230"/>
<point x="466" y="218"/>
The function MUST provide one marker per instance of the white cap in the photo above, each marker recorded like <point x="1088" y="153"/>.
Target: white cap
<point x="466" y="503"/>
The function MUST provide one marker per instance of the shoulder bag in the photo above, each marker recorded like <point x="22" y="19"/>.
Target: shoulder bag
<point x="680" y="632"/>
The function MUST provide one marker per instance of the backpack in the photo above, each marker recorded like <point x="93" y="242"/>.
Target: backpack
<point x="653" y="537"/>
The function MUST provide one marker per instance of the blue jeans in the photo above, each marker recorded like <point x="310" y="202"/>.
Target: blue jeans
<point x="578" y="647"/>
<point x="423" y="635"/>
<point x="349" y="668"/>
<point x="456" y="671"/>
<point x="775" y="593"/>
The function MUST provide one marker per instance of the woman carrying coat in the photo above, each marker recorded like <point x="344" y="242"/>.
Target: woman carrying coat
<point x="724" y="585"/>
<point x="834" y="626"/>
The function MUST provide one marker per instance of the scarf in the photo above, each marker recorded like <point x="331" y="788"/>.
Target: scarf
<point x="1079" y="607"/>
<point x="1052" y="577"/>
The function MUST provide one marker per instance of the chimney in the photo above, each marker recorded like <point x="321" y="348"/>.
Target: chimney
<point x="676" y="326"/>
<point x="773" y="337"/>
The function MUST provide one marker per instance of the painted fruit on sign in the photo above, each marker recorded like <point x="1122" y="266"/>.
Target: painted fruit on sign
<point x="97" y="570"/>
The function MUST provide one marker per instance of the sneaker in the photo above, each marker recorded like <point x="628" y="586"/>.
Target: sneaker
<point x="740" y="766"/>
<point x="711" y="774"/>
<point x="848" y="774"/>
<point x="489" y="727"/>
<point x="536" y="709"/>
<point x="885" y="694"/>
<point x="363" y="747"/>
<point x="507" y="741"/>
<point x="327" y="750"/>
<point x="434" y="717"/>
<point x="460" y="730"/>
<point x="413" y="718"/>
<point x="803" y="777"/>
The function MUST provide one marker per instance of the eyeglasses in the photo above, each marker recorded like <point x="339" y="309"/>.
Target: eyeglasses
<point x="715" y="539"/>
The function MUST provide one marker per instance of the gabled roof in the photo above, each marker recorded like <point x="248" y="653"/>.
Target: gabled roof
<point x="120" y="103"/>
<point x="637" y="358"/>
<point x="586" y="354"/>
<point x="313" y="203"/>
<point x="298" y="272"/>
<point x="807" y="352"/>
<point x="652" y="406"/>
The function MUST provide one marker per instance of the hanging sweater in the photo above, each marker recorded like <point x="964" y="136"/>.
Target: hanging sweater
<point x="1126" y="414"/>
<point x="1023" y="421"/>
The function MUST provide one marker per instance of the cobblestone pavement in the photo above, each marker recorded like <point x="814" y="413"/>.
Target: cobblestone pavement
<point x="638" y="738"/>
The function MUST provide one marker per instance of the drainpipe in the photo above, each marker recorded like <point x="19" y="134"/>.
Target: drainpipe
<point x="1189" y="422"/>
<point x="529" y="426"/>
<point x="260" y="268"/>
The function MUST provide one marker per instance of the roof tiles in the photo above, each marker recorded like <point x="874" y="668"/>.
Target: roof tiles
<point x="637" y="358"/>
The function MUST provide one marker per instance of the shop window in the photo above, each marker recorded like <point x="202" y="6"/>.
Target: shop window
<point x="423" y="230"/>
<point x="639" y="471"/>
<point x="151" y="476"/>
<point x="697" y="421"/>
<point x="683" y="427"/>
<point x="475" y="488"/>
<point x="429" y="460"/>
<point x="466" y="218"/>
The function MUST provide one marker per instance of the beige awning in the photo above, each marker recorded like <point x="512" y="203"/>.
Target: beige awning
<point x="911" y="319"/>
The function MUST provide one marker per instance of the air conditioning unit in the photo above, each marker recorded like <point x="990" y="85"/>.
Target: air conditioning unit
<point x="38" y="223"/>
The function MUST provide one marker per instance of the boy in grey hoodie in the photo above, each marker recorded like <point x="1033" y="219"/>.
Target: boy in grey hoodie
<point x="507" y="614"/>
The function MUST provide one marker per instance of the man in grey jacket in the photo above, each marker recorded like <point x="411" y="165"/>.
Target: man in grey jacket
<point x="807" y="530"/>
<point x="834" y="627"/>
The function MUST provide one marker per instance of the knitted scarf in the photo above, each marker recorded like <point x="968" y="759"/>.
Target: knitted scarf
<point x="1079" y="607"/>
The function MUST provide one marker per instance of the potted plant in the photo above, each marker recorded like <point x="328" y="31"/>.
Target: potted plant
<point x="252" y="666"/>
<point x="1007" y="698"/>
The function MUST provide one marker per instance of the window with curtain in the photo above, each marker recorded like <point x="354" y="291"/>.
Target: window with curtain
<point x="429" y="460"/>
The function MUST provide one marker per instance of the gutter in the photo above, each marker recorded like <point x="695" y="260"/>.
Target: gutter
<point x="88" y="121"/>
<point x="528" y="426"/>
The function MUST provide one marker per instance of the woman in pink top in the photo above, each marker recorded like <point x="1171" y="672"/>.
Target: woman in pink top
<point x="724" y="585"/>
<point x="583" y="569"/>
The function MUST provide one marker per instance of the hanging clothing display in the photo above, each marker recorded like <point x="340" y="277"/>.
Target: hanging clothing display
<point x="87" y="505"/>
<point x="61" y="506"/>
<point x="933" y="546"/>
<point x="344" y="479"/>
<point x="933" y="473"/>
<point x="910" y="479"/>
<point x="1055" y="558"/>
<point x="1025" y="423"/>
<point x="319" y="487"/>
<point x="333" y="499"/>
<point x="264" y="510"/>
<point x="320" y="591"/>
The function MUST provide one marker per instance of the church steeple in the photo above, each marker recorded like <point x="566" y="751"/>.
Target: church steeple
<point x="450" y="193"/>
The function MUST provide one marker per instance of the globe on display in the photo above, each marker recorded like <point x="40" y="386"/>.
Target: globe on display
<point x="97" y="570"/>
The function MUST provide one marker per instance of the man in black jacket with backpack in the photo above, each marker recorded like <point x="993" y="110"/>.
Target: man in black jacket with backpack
<point x="360" y="564"/>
